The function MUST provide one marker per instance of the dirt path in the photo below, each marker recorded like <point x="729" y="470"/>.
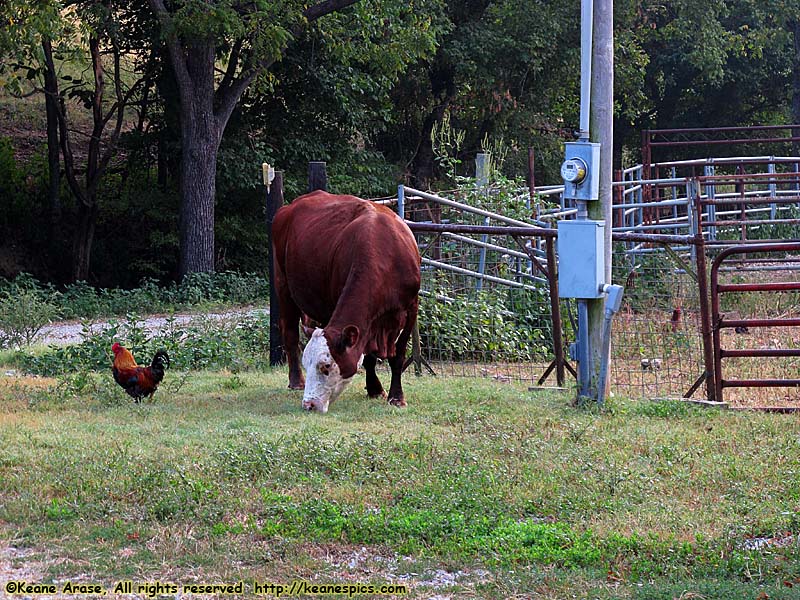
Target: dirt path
<point x="69" y="332"/>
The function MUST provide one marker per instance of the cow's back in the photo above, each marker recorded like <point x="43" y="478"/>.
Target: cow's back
<point x="329" y="246"/>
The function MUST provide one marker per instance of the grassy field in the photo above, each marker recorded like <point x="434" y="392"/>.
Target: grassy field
<point x="476" y="490"/>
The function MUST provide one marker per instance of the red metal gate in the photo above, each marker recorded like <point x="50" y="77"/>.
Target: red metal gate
<point x="719" y="321"/>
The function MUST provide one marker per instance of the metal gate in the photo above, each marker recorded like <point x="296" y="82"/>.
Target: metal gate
<point x="740" y="325"/>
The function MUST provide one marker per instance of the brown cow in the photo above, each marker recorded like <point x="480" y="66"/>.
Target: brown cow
<point x="352" y="266"/>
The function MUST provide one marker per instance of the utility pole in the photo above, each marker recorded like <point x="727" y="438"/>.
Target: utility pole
<point x="584" y="244"/>
<point x="602" y="132"/>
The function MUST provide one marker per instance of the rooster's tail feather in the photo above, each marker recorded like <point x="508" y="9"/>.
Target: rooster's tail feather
<point x="160" y="360"/>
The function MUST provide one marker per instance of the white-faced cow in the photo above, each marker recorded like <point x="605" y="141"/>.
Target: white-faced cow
<point x="352" y="266"/>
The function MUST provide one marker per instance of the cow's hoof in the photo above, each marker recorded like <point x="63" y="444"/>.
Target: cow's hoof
<point x="398" y="402"/>
<point x="381" y="395"/>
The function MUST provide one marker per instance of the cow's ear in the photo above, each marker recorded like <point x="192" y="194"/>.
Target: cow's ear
<point x="350" y="336"/>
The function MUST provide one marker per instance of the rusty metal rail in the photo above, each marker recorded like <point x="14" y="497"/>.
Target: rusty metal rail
<point x="719" y="322"/>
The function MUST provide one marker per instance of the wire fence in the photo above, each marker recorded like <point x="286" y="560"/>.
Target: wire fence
<point x="485" y="308"/>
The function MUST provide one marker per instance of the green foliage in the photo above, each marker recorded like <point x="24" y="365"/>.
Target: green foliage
<point x="447" y="142"/>
<point x="651" y="281"/>
<point x="501" y="195"/>
<point x="139" y="224"/>
<point x="23" y="27"/>
<point x="22" y="315"/>
<point x="363" y="173"/>
<point x="766" y="231"/>
<point x="667" y="409"/>
<point x="206" y="343"/>
<point x="556" y="543"/>
<point x="486" y="326"/>
<point x="716" y="65"/>
<point x="21" y="187"/>
<point x="82" y="301"/>
<point x="11" y="176"/>
<point x="360" y="89"/>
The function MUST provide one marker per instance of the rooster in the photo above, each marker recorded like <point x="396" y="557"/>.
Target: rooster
<point x="135" y="380"/>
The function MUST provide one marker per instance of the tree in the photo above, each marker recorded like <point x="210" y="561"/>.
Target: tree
<point x="25" y="36"/>
<point x="82" y="33"/>
<point x="244" y="39"/>
<point x="504" y="68"/>
<point x="719" y="63"/>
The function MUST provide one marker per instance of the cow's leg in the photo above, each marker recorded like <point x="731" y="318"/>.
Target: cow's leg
<point x="374" y="387"/>
<point x="289" y="323"/>
<point x="396" y="362"/>
<point x="290" y="332"/>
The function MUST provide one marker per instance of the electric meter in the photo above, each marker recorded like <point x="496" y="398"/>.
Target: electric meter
<point x="573" y="170"/>
<point x="581" y="170"/>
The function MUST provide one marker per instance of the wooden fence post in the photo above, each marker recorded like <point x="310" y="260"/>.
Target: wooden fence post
<point x="317" y="176"/>
<point x="274" y="201"/>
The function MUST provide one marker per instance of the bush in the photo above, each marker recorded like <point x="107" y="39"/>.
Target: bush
<point x="363" y="173"/>
<point x="82" y="301"/>
<point x="487" y="326"/>
<point x="22" y="315"/>
<point x="204" y="344"/>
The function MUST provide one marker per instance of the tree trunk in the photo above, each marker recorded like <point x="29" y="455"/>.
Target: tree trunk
<point x="53" y="148"/>
<point x="87" y="201"/>
<point x="84" y="238"/>
<point x="201" y="137"/>
<point x="423" y="166"/>
<point x="193" y="63"/>
<point x="198" y="183"/>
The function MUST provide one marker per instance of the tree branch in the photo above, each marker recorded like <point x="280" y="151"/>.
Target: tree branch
<point x="97" y="117"/>
<point x="120" y="104"/>
<point x="66" y="146"/>
<point x="174" y="48"/>
<point x="229" y="97"/>
<point x="314" y="12"/>
<point x="233" y="64"/>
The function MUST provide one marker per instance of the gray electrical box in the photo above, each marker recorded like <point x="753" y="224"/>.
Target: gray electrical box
<point x="581" y="258"/>
<point x="581" y="171"/>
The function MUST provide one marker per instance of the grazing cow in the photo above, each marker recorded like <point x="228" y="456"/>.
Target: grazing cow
<point x="352" y="266"/>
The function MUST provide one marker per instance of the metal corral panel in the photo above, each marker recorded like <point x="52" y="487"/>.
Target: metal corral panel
<point x="581" y="269"/>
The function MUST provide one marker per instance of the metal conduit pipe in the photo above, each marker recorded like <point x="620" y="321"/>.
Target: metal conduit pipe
<point x="583" y="348"/>
<point x="613" y="304"/>
<point x="587" y="15"/>
<point x="584" y="355"/>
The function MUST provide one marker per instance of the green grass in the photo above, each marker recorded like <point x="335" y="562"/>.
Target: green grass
<point x="518" y="495"/>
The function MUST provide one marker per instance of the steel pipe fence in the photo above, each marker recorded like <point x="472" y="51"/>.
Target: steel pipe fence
<point x="756" y="335"/>
<point x="487" y="310"/>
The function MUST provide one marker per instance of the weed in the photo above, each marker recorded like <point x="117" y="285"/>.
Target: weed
<point x="663" y="408"/>
<point x="485" y="326"/>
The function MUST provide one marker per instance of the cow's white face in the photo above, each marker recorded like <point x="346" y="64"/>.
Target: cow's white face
<point x="324" y="381"/>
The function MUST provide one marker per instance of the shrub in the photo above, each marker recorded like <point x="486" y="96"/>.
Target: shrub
<point x="12" y="180"/>
<point x="82" y="301"/>
<point x="203" y="344"/>
<point x="488" y="325"/>
<point x="22" y="315"/>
